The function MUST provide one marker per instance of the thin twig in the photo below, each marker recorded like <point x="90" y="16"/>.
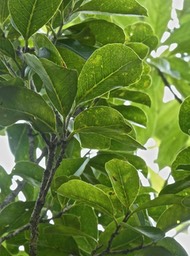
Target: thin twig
<point x="166" y="83"/>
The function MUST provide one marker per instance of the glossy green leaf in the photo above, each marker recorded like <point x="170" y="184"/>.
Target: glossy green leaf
<point x="11" y="109"/>
<point x="155" y="250"/>
<point x="15" y="215"/>
<point x="102" y="120"/>
<point x="176" y="187"/>
<point x="6" y="48"/>
<point x="4" y="11"/>
<point x="124" y="179"/>
<point x="100" y="75"/>
<point x="60" y="82"/>
<point x="184" y="115"/>
<point x="32" y="14"/>
<point x="173" y="246"/>
<point x="72" y="59"/>
<point x="29" y="171"/>
<point x="172" y="217"/>
<point x="140" y="49"/>
<point x="88" y="194"/>
<point x="133" y="114"/>
<point x="134" y="96"/>
<point x="155" y="234"/>
<point x="141" y="32"/>
<point x="19" y="141"/>
<point x="116" y="7"/>
<point x="43" y="44"/>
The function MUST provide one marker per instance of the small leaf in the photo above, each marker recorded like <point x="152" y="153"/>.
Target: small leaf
<point x="124" y="179"/>
<point x="101" y="74"/>
<point x="60" y="82"/>
<point x="33" y="14"/>
<point x="88" y="194"/>
<point x="184" y="115"/>
<point x="41" y="42"/>
<point x="17" y="103"/>
<point x="115" y="7"/>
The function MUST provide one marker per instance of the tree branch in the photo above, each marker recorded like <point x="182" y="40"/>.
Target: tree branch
<point x="166" y="83"/>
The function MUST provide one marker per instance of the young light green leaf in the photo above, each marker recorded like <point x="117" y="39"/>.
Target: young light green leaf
<point x="42" y="43"/>
<point x="115" y="7"/>
<point x="124" y="179"/>
<point x="33" y="14"/>
<point x="60" y="82"/>
<point x="19" y="103"/>
<point x="111" y="66"/>
<point x="88" y="194"/>
<point x="184" y="115"/>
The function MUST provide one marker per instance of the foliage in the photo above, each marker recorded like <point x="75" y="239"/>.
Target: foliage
<point x="83" y="82"/>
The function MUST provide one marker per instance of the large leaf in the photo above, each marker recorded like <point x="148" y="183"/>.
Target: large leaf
<point x="184" y="114"/>
<point x="115" y="6"/>
<point x="15" y="215"/>
<point x="46" y="49"/>
<point x="111" y="66"/>
<point x="124" y="179"/>
<point x="88" y="194"/>
<point x="4" y="11"/>
<point x="60" y="82"/>
<point x="17" y="103"/>
<point x="172" y="217"/>
<point x="33" y="14"/>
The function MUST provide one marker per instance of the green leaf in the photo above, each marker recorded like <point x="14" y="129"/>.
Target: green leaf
<point x="180" y="167"/>
<point x="141" y="32"/>
<point x="115" y="7"/>
<point x="97" y="32"/>
<point x="176" y="187"/>
<point x="19" y="141"/>
<point x="60" y="82"/>
<point x="134" y="96"/>
<point x="42" y="43"/>
<point x="4" y="11"/>
<point x="32" y="14"/>
<point x="173" y="246"/>
<point x="6" y="48"/>
<point x="11" y="109"/>
<point x="100" y="75"/>
<point x="15" y="215"/>
<point x="5" y="183"/>
<point x="153" y="233"/>
<point x="88" y="194"/>
<point x="184" y="115"/>
<point x="101" y="120"/>
<point x="133" y="114"/>
<point x="154" y="10"/>
<point x="155" y="250"/>
<point x="161" y="200"/>
<point x="172" y="217"/>
<point x="29" y="171"/>
<point x="124" y="179"/>
<point x="4" y="252"/>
